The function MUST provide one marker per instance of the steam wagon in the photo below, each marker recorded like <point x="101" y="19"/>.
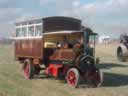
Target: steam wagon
<point x="62" y="45"/>
<point x="122" y="49"/>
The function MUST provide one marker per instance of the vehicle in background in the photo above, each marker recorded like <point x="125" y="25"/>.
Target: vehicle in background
<point x="122" y="49"/>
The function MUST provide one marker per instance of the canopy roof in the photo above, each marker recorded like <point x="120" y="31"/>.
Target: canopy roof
<point x="59" y="25"/>
<point x="53" y="24"/>
<point x="64" y="25"/>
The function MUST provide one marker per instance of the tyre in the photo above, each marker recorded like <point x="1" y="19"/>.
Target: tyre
<point x="28" y="69"/>
<point x="73" y="77"/>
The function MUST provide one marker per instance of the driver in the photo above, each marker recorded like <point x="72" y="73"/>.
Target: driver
<point x="78" y="48"/>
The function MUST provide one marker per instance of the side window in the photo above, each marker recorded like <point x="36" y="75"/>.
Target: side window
<point x="24" y="31"/>
<point x="18" y="32"/>
<point x="92" y="38"/>
<point x="31" y="31"/>
<point x="38" y="30"/>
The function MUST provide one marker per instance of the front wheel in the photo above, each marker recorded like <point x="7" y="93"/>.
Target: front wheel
<point x="28" y="69"/>
<point x="97" y="79"/>
<point x="73" y="77"/>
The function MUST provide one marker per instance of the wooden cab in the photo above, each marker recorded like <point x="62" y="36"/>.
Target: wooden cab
<point x="35" y="39"/>
<point x="29" y="40"/>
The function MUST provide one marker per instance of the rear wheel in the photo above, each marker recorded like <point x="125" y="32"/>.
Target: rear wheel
<point x="28" y="69"/>
<point x="73" y="77"/>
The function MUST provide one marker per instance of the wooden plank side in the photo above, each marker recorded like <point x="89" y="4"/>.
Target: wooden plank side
<point x="32" y="48"/>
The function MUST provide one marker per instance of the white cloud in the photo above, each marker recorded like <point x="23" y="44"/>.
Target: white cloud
<point x="107" y="7"/>
<point x="9" y="14"/>
<point x="8" y="3"/>
<point x="59" y="7"/>
<point x="76" y="3"/>
<point x="7" y="18"/>
<point x="43" y="2"/>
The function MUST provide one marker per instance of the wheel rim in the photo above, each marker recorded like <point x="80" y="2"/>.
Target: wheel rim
<point x="26" y="70"/>
<point x="71" y="78"/>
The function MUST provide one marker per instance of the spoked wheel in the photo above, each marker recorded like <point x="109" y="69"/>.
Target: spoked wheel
<point x="73" y="77"/>
<point x="28" y="69"/>
<point x="97" y="78"/>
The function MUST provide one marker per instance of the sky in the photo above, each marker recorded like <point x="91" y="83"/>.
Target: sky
<point x="106" y="17"/>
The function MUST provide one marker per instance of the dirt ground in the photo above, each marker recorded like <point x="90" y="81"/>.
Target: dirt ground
<point x="12" y="82"/>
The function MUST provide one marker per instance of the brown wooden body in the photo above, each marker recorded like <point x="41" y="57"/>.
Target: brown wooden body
<point x="29" y="48"/>
<point x="33" y="48"/>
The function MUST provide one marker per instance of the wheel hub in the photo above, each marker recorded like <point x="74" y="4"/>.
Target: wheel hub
<point x="72" y="78"/>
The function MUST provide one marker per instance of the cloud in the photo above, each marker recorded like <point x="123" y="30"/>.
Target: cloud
<point x="9" y="11"/>
<point x="8" y="3"/>
<point x="58" y="6"/>
<point x="107" y="7"/>
<point x="9" y="14"/>
<point x="76" y="3"/>
<point x="106" y="17"/>
<point x="7" y="18"/>
<point x="43" y="2"/>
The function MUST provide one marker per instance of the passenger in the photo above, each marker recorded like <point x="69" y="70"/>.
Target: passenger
<point x="62" y="45"/>
<point x="65" y="45"/>
<point x="78" y="48"/>
<point x="59" y="45"/>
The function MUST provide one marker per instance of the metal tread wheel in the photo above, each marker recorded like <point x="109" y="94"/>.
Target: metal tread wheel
<point x="86" y="63"/>
<point x="98" y="79"/>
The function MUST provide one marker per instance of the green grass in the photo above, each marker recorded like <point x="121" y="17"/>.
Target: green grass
<point x="12" y="82"/>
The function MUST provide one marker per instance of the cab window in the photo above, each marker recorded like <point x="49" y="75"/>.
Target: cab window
<point x="38" y="29"/>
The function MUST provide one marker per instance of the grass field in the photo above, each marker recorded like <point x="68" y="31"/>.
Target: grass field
<point x="12" y="82"/>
